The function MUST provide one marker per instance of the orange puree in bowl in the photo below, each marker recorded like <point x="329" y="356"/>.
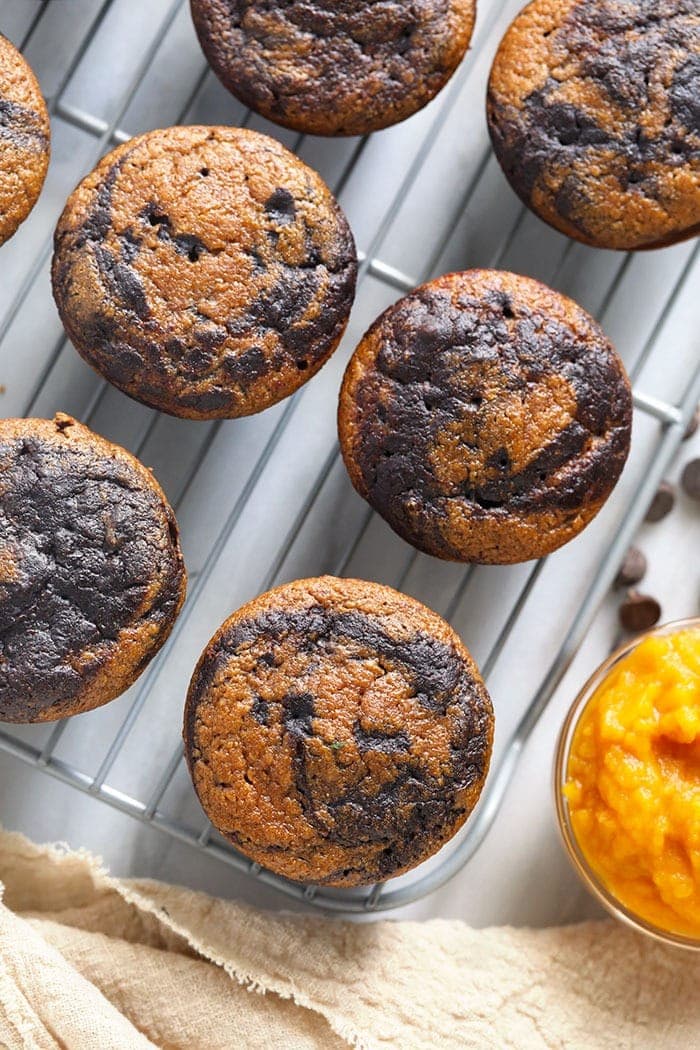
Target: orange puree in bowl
<point x="633" y="781"/>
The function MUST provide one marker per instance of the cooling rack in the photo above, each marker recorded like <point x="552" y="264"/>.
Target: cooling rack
<point x="266" y="499"/>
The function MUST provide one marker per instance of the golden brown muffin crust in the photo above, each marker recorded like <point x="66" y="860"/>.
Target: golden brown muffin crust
<point x="24" y="139"/>
<point x="337" y="732"/>
<point x="334" y="68"/>
<point x="91" y="573"/>
<point x="485" y="417"/>
<point x="205" y="271"/>
<point x="594" y="115"/>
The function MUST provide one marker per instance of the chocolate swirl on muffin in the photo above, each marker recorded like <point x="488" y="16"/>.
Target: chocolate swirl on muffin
<point x="594" y="113"/>
<point x="24" y="139"/>
<point x="204" y="271"/>
<point x="337" y="732"/>
<point x="334" y="68"/>
<point x="485" y="417"/>
<point x="91" y="573"/>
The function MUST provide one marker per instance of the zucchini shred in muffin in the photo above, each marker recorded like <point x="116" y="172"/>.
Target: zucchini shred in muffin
<point x="337" y="732"/>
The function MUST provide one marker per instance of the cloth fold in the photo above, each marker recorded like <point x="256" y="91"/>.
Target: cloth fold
<point x="88" y="960"/>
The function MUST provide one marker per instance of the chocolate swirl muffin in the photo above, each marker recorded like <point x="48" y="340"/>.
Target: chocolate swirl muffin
<point x="337" y="732"/>
<point x="334" y="68"/>
<point x="24" y="139"/>
<point x="594" y="112"/>
<point x="485" y="417"/>
<point x="205" y="271"/>
<point x="91" y="574"/>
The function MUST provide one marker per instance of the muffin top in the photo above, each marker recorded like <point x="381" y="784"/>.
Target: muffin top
<point x="205" y="271"/>
<point x="24" y="139"/>
<point x="337" y="731"/>
<point x="334" y="68"/>
<point x="594" y="112"/>
<point x="91" y="574"/>
<point x="485" y="417"/>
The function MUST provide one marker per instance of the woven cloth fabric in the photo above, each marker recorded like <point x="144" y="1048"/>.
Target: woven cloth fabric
<point x="88" y="961"/>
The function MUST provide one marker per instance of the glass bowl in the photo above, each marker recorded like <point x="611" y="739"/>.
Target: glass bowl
<point x="590" y="878"/>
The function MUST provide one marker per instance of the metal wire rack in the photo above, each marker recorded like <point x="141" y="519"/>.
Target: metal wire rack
<point x="266" y="499"/>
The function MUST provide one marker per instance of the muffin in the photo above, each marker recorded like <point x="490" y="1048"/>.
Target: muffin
<point x="24" y="139"/>
<point x="485" y="417"/>
<point x="337" y="732"/>
<point x="91" y="574"/>
<point x="205" y="271"/>
<point x="594" y="116"/>
<point x="334" y="68"/>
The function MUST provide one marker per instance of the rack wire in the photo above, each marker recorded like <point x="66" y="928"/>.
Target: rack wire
<point x="266" y="499"/>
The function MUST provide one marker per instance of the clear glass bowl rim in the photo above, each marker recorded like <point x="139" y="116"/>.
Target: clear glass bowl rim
<point x="591" y="880"/>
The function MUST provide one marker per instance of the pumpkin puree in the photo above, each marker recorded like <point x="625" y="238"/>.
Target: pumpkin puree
<point x="633" y="781"/>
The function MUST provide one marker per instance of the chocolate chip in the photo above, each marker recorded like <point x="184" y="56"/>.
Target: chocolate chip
<point x="662" y="503"/>
<point x="281" y="206"/>
<point x="638" y="612"/>
<point x="693" y="424"/>
<point x="633" y="568"/>
<point x="690" y="479"/>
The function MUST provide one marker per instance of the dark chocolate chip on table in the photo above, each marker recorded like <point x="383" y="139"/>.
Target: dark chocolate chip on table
<point x="639" y="612"/>
<point x="632" y="569"/>
<point x="662" y="503"/>
<point x="693" y="424"/>
<point x="690" y="479"/>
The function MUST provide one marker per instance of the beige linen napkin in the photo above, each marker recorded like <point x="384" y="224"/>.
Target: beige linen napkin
<point x="90" y="961"/>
